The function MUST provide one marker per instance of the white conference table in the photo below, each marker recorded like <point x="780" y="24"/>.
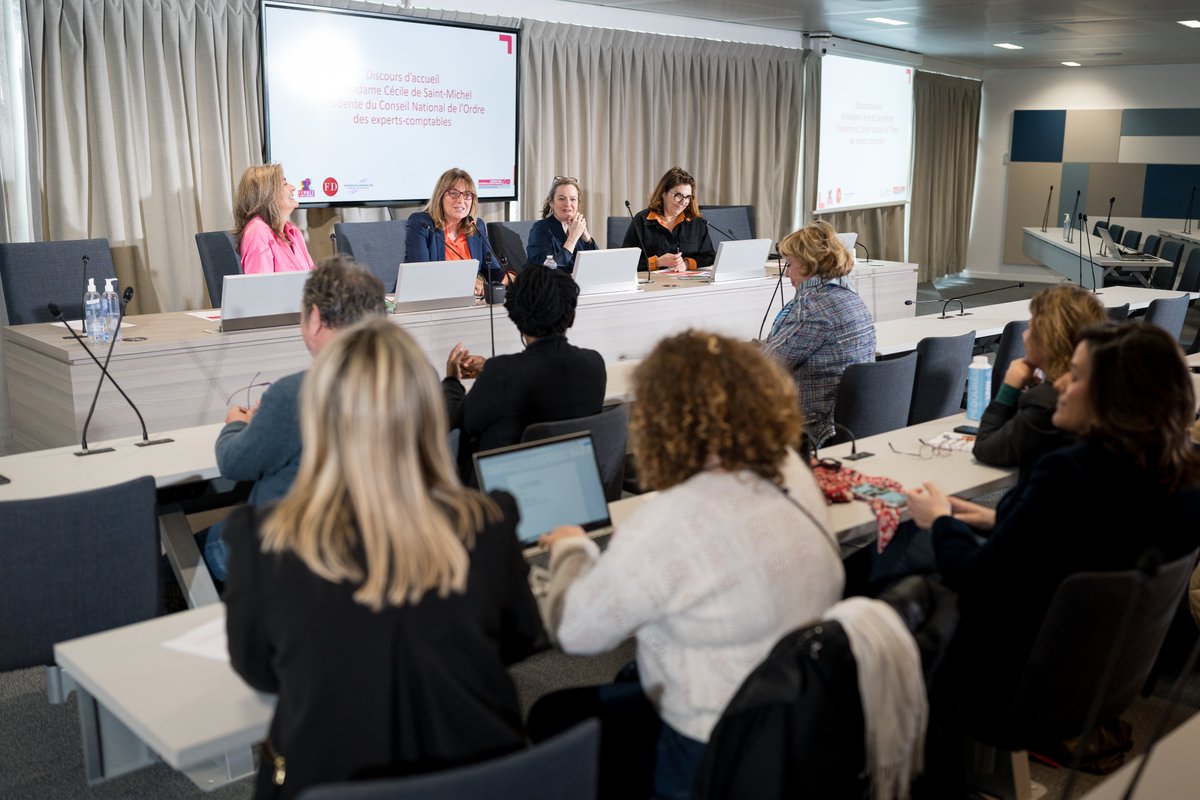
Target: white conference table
<point x="1173" y="772"/>
<point x="1050" y="249"/>
<point x="1191" y="237"/>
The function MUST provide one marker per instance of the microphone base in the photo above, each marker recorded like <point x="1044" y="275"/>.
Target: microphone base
<point x="152" y="442"/>
<point x="952" y="316"/>
<point x="857" y="456"/>
<point x="97" y="451"/>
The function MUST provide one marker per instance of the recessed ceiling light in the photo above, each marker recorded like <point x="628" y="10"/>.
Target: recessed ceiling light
<point x="1071" y="64"/>
<point x="886" y="21"/>
<point x="1190" y="23"/>
<point x="1008" y="46"/>
<point x="1108" y="54"/>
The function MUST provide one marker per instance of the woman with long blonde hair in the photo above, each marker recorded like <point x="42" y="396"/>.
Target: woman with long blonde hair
<point x="380" y="599"/>
<point x="266" y="240"/>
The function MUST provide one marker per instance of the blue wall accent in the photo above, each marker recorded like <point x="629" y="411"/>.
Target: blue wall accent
<point x="1167" y="188"/>
<point x="1160" y="122"/>
<point x="1038" y="136"/>
<point x="1074" y="177"/>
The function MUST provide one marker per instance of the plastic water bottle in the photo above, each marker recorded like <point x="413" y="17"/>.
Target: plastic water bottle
<point x="93" y="314"/>
<point x="550" y="263"/>
<point x="1066" y="227"/>
<point x="979" y="387"/>
<point x="110" y="306"/>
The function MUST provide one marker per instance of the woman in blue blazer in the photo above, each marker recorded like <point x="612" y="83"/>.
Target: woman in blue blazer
<point x="449" y="229"/>
<point x="562" y="231"/>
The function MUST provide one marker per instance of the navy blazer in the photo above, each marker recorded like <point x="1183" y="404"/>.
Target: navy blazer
<point x="424" y="242"/>
<point x="546" y="238"/>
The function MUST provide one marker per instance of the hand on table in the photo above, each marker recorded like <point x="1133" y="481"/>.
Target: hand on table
<point x="673" y="262"/>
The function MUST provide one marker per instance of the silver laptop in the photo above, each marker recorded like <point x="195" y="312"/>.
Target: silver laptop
<point x="1121" y="254"/>
<point x="264" y="300"/>
<point x="740" y="259"/>
<point x="555" y="482"/>
<point x="607" y="271"/>
<point x="424" y="285"/>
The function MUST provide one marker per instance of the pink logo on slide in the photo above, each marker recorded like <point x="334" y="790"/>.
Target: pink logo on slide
<point x="507" y="39"/>
<point x="306" y="189"/>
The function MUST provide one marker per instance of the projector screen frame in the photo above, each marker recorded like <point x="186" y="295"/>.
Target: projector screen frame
<point x="403" y="18"/>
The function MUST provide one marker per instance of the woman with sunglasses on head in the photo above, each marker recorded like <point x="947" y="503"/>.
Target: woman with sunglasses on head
<point x="670" y="232"/>
<point x="449" y="229"/>
<point x="562" y="231"/>
<point x="266" y="240"/>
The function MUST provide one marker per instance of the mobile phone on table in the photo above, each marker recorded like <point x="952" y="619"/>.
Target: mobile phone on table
<point x="866" y="491"/>
<point x="969" y="430"/>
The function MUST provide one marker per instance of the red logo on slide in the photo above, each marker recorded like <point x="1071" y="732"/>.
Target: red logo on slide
<point x="330" y="186"/>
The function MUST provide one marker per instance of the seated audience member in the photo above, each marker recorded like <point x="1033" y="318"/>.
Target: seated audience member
<point x="1016" y="428"/>
<point x="380" y="600"/>
<point x="449" y="229"/>
<point x="262" y="443"/>
<point x="550" y="380"/>
<point x="670" y="231"/>
<point x="562" y="231"/>
<point x="825" y="328"/>
<point x="731" y="554"/>
<point x="1129" y="398"/>
<point x="266" y="241"/>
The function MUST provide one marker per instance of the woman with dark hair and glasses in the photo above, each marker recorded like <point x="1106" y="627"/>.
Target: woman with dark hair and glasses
<point x="670" y="231"/>
<point x="562" y="231"/>
<point x="449" y="229"/>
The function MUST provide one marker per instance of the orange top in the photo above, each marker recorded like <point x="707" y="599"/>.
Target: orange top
<point x="669" y="225"/>
<point x="457" y="249"/>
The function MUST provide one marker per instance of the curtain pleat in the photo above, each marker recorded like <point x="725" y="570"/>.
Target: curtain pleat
<point x="879" y="229"/>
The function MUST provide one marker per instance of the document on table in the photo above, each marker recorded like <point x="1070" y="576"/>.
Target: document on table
<point x="211" y="316"/>
<point x="207" y="640"/>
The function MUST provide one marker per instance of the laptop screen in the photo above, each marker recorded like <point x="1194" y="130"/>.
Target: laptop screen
<point x="555" y="482"/>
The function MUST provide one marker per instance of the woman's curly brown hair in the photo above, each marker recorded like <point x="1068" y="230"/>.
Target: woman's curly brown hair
<point x="701" y="395"/>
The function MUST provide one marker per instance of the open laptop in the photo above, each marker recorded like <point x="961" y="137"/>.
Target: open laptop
<point x="1121" y="254"/>
<point x="425" y="285"/>
<point x="555" y="482"/>
<point x="607" y="271"/>
<point x="264" y="300"/>
<point x="740" y="260"/>
<point x="849" y="240"/>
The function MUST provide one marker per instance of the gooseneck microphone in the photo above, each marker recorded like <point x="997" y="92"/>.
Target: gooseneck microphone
<point x="1046" y="213"/>
<point x="721" y="231"/>
<point x="962" y="310"/>
<point x="641" y="244"/>
<point x="333" y="241"/>
<point x="778" y="289"/>
<point x="1083" y="234"/>
<point x="1187" y="220"/>
<point x="857" y="243"/>
<point x="488" y="284"/>
<point x="1071" y="219"/>
<point x="1112" y="200"/>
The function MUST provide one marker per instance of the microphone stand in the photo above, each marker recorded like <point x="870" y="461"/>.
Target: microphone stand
<point x="641" y="244"/>
<point x="333" y="241"/>
<point x="854" y="454"/>
<point x="489" y="253"/>
<point x="962" y="311"/>
<point x="1187" y="220"/>
<point x="1108" y="219"/>
<point x="82" y="306"/>
<point x="1083" y="234"/>
<point x="1070" y="220"/>
<point x="1046" y="213"/>
<point x="865" y="250"/>
<point x="729" y="236"/>
<point x="778" y="288"/>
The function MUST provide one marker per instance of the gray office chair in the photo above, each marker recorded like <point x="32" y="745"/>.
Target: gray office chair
<point x="1118" y="313"/>
<point x="1168" y="314"/>
<point x="617" y="226"/>
<point x="1065" y="672"/>
<point x="378" y="246"/>
<point x="1116" y="232"/>
<point x="942" y="363"/>
<point x="218" y="258"/>
<point x="35" y="274"/>
<point x="1190" y="282"/>
<point x="736" y="220"/>
<point x="564" y="766"/>
<point x="73" y="565"/>
<point x="1131" y="239"/>
<point x="510" y="240"/>
<point x="1011" y="347"/>
<point x="1164" y="277"/>
<point x="610" y="432"/>
<point x="874" y="397"/>
<point x="1150" y="246"/>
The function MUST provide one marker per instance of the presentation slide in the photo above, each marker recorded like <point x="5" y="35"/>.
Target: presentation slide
<point x="370" y="109"/>
<point x="866" y="134"/>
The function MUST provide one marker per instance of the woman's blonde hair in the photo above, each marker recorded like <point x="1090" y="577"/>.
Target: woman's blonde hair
<point x="445" y="184"/>
<point x="258" y="196"/>
<point x="818" y="250"/>
<point x="377" y="501"/>
<point x="559" y="182"/>
<point x="675" y="176"/>
<point x="702" y="396"/>
<point x="1057" y="316"/>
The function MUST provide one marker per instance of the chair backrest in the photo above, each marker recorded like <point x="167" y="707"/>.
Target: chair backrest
<point x="610" y="432"/>
<point x="564" y="766"/>
<point x="510" y="240"/>
<point x="874" y="397"/>
<point x="218" y="258"/>
<point x="1011" y="347"/>
<point x="1116" y="232"/>
<point x="1131" y="239"/>
<point x="1063" y="674"/>
<point x="35" y="274"/>
<point x="1164" y="277"/>
<point x="1168" y="314"/>
<point x="1096" y="228"/>
<point x="1118" y="313"/>
<point x="379" y="246"/>
<point x="617" y="226"/>
<point x="942" y="363"/>
<point x="1150" y="246"/>
<point x="735" y="220"/>
<point x="75" y="565"/>
<point x="1190" y="282"/>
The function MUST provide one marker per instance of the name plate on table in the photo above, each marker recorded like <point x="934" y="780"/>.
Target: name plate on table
<point x="269" y="300"/>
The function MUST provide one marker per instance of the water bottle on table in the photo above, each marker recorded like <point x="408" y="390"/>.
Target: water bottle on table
<point x="979" y="388"/>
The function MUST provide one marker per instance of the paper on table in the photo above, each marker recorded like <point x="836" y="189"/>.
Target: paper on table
<point x="207" y="640"/>
<point x="211" y="316"/>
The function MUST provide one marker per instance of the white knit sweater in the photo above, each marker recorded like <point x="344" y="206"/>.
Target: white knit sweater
<point x="709" y="574"/>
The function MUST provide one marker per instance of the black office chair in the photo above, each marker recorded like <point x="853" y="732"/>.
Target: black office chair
<point x="218" y="258"/>
<point x="1065" y="672"/>
<point x="379" y="246"/>
<point x="563" y="766"/>
<point x="617" y="227"/>
<point x="1190" y="282"/>
<point x="874" y="397"/>
<point x="942" y="363"/>
<point x="1168" y="314"/>
<point x="35" y="274"/>
<point x="1164" y="277"/>
<point x="1118" y="313"/>
<point x="610" y="433"/>
<point x="737" y="220"/>
<point x="1116" y="232"/>
<point x="1100" y="224"/>
<point x="1010" y="348"/>
<point x="1150" y="246"/>
<point x="1131" y="239"/>
<point x="510" y="240"/>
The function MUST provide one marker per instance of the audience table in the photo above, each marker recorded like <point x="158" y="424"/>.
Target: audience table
<point x="1049" y="249"/>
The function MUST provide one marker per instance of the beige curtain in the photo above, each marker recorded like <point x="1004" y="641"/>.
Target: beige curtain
<point x="812" y="137"/>
<point x="945" y="143"/>
<point x="616" y="109"/>
<point x="880" y="230"/>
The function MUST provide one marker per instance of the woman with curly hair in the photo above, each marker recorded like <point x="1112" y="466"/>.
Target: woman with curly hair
<point x="732" y="553"/>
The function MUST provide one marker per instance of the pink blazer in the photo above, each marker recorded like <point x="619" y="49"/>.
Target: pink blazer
<point x="262" y="252"/>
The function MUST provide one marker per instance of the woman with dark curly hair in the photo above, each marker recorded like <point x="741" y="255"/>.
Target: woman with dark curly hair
<point x="550" y="380"/>
<point x="733" y="552"/>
